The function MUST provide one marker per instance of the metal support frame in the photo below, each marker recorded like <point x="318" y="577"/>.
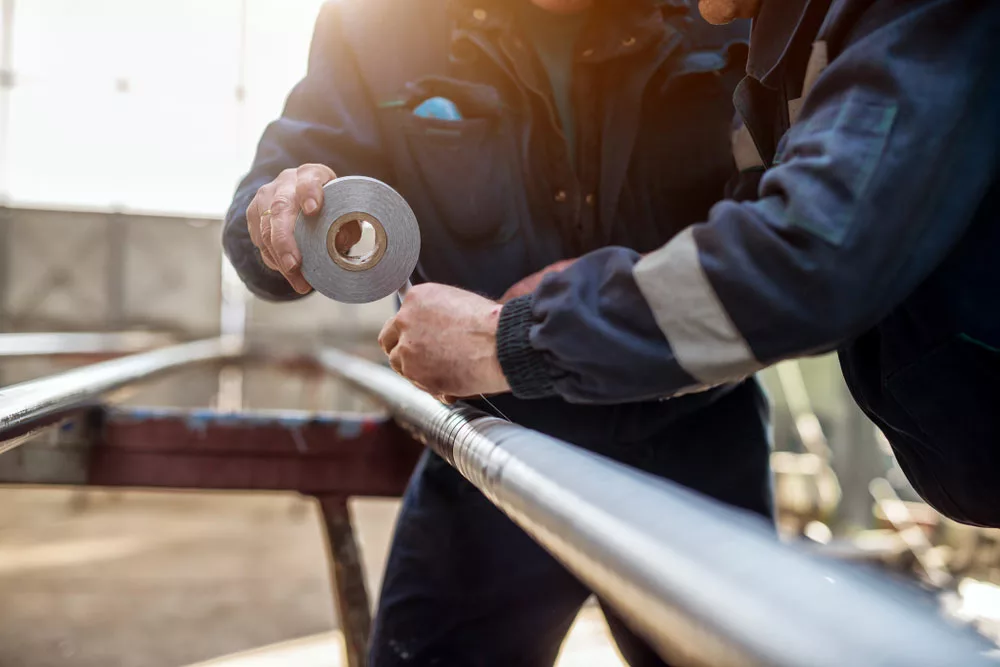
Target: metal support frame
<point x="328" y="456"/>
<point x="29" y="406"/>
<point x="348" y="579"/>
<point x="87" y="344"/>
<point x="705" y="584"/>
<point x="315" y="454"/>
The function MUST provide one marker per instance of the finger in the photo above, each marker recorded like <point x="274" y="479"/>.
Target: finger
<point x="253" y="220"/>
<point x="422" y="387"/>
<point x="284" y="210"/>
<point x="520" y="288"/>
<point x="298" y="281"/>
<point x="511" y="293"/>
<point x="269" y="261"/>
<point x="263" y="198"/>
<point x="309" y="182"/>
<point x="347" y="237"/>
<point x="396" y="360"/>
<point x="267" y="256"/>
<point x="389" y="336"/>
<point x="530" y="283"/>
<point x="420" y="377"/>
<point x="265" y="233"/>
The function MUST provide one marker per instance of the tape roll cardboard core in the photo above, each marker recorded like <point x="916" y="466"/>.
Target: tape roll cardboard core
<point x="346" y="254"/>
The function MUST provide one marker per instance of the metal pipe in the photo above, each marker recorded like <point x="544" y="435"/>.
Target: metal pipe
<point x="27" y="406"/>
<point x="706" y="585"/>
<point x="44" y="344"/>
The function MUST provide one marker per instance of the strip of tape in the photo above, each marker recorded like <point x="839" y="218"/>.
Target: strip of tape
<point x="378" y="273"/>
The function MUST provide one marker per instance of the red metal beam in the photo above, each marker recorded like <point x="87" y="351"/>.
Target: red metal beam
<point x="325" y="455"/>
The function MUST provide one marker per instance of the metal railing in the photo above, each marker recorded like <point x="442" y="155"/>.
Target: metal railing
<point x="706" y="585"/>
<point x="27" y="406"/>
<point x="49" y="344"/>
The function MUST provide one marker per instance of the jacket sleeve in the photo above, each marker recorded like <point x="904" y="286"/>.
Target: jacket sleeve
<point x="328" y="119"/>
<point x="896" y="147"/>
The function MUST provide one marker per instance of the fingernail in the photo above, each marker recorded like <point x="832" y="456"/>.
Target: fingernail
<point x="288" y="262"/>
<point x="310" y="206"/>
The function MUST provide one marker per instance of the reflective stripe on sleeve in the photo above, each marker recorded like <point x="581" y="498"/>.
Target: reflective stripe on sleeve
<point x="704" y="340"/>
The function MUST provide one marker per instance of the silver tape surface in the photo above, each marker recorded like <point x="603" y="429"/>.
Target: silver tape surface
<point x="397" y="241"/>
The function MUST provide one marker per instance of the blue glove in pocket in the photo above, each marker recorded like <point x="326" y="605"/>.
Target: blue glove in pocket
<point x="438" y="107"/>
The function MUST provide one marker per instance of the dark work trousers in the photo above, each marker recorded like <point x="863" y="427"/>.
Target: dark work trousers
<point x="465" y="587"/>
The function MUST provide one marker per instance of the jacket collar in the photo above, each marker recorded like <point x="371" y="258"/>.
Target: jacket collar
<point x="622" y="28"/>
<point x="780" y="29"/>
<point x="618" y="27"/>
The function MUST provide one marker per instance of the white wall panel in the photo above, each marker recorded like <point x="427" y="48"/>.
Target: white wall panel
<point x="57" y="271"/>
<point x="171" y="274"/>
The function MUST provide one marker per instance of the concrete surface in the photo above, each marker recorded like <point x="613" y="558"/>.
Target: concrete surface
<point x="155" y="579"/>
<point x="98" y="578"/>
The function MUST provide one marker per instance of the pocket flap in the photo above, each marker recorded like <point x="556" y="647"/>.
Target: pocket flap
<point x="474" y="100"/>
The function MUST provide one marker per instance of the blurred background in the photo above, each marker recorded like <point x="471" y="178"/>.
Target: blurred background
<point x="124" y="128"/>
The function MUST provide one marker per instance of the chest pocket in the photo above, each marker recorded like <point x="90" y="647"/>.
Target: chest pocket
<point x="844" y="144"/>
<point x="466" y="169"/>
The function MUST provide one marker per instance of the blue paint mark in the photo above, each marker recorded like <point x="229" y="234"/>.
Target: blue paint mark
<point x="350" y="428"/>
<point x="201" y="419"/>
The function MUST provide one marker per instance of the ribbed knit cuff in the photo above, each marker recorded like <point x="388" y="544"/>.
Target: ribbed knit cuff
<point x="523" y="366"/>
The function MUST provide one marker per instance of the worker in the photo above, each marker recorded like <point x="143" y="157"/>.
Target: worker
<point x="876" y="233"/>
<point x="522" y="133"/>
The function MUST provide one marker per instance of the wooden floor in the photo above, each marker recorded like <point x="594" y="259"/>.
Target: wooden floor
<point x="93" y="578"/>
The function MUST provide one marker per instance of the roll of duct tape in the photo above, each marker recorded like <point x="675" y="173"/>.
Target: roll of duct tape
<point x="364" y="243"/>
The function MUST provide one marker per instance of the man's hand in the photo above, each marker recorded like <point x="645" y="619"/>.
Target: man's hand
<point x="272" y="213"/>
<point x="719" y="12"/>
<point x="443" y="340"/>
<point x="527" y="285"/>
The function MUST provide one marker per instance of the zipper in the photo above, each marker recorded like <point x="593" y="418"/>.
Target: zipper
<point x="574" y="233"/>
<point x="546" y="97"/>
